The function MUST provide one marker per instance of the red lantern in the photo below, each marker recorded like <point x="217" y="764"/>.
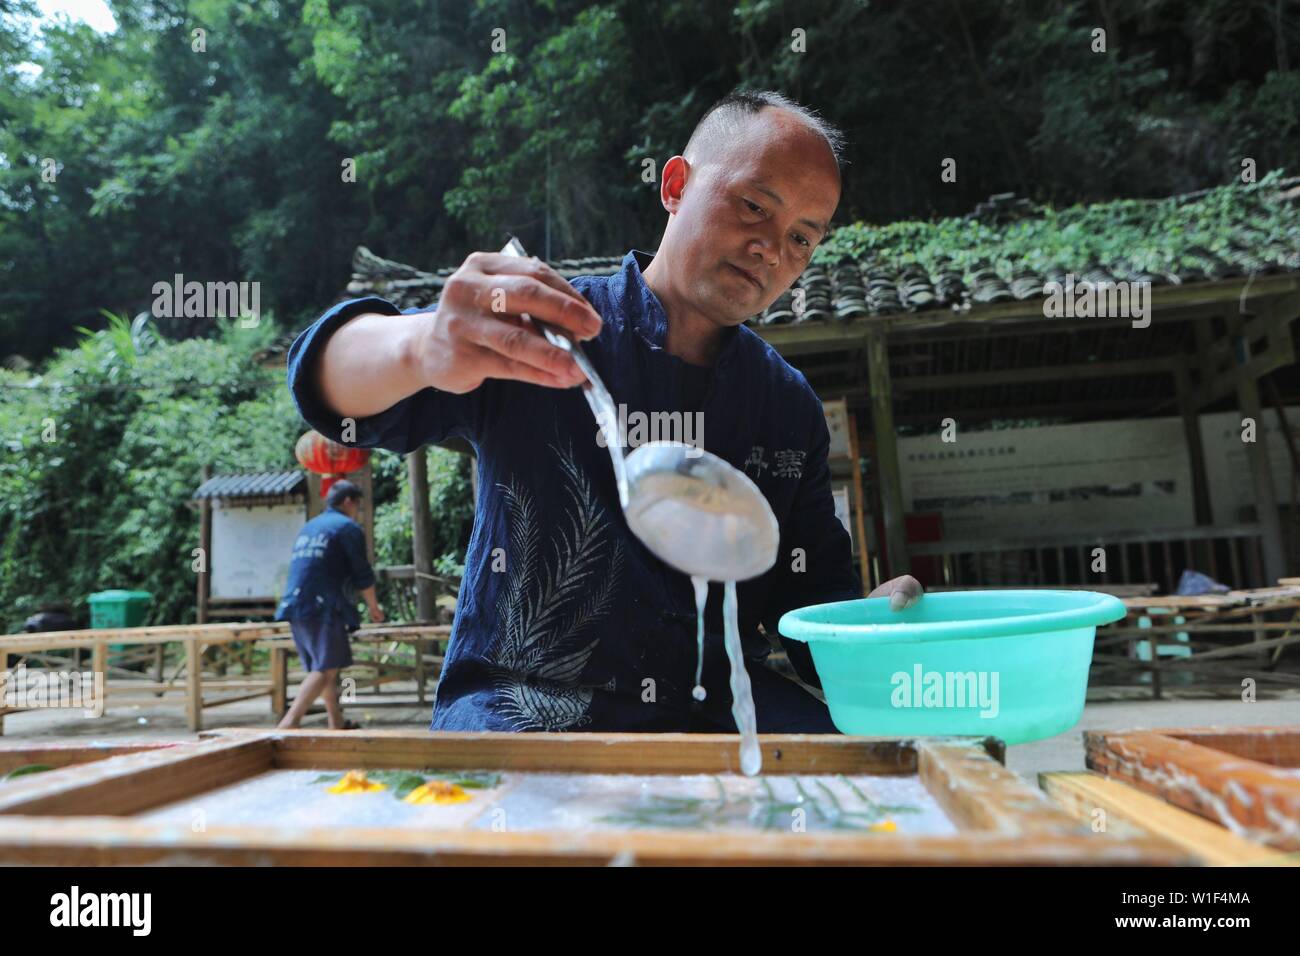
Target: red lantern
<point x="326" y="457"/>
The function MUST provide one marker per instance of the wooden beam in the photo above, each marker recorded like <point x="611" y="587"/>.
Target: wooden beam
<point x="1125" y="810"/>
<point x="813" y="337"/>
<point x="51" y="841"/>
<point x="585" y="752"/>
<point x="888" y="476"/>
<point x="132" y="783"/>
<point x="981" y="794"/>
<point x="1248" y="797"/>
<point x="23" y="754"/>
<point x="1256" y="343"/>
<point x="1279" y="746"/>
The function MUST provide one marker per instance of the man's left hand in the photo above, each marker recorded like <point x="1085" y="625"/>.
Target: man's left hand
<point x="902" y="591"/>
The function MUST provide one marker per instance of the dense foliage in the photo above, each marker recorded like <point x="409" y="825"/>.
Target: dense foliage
<point x="466" y="120"/>
<point x="104" y="449"/>
<point x="1243" y="223"/>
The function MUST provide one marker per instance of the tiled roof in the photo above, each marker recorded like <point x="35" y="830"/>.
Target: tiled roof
<point x="879" y="284"/>
<point x="882" y="283"/>
<point x="261" y="484"/>
<point x="890" y="281"/>
<point x="408" y="287"/>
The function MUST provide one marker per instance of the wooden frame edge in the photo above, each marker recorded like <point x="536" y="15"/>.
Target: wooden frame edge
<point x="1083" y="793"/>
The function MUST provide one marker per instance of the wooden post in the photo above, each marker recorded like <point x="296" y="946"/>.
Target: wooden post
<point x="204" y="583"/>
<point x="888" y="477"/>
<point x="193" y="682"/>
<point x="1261" y="474"/>
<point x="99" y="665"/>
<point x="1284" y="426"/>
<point x="5" y="677"/>
<point x="860" y="523"/>
<point x="279" y="682"/>
<point x="159" y="665"/>
<point x="420" y="647"/>
<point x="363" y="480"/>
<point x="315" y="503"/>
<point x="1195" y="448"/>
<point x="417" y="469"/>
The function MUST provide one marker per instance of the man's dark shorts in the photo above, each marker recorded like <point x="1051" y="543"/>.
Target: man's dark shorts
<point x="322" y="643"/>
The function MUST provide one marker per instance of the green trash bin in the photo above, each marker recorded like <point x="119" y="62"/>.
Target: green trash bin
<point x="118" y="608"/>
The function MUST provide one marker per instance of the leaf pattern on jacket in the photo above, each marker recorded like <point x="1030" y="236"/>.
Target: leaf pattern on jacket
<point x="550" y="601"/>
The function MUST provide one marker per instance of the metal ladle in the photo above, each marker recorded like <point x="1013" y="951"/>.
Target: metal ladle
<point x="693" y="510"/>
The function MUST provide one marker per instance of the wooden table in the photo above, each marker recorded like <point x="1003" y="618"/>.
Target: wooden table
<point x="16" y="649"/>
<point x="422" y="637"/>
<point x="199" y="688"/>
<point x="1260" y="623"/>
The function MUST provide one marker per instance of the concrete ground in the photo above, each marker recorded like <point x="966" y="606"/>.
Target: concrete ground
<point x="1063" y="752"/>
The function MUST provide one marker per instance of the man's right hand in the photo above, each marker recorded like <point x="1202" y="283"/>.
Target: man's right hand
<point x="372" y="362"/>
<point x="479" y="330"/>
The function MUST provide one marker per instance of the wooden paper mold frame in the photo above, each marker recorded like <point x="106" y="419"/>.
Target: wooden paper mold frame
<point x="87" y="818"/>
<point x="1246" y="779"/>
<point x="57" y="756"/>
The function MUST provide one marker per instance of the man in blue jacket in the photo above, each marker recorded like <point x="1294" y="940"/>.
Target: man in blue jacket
<point x="565" y="620"/>
<point x="327" y="571"/>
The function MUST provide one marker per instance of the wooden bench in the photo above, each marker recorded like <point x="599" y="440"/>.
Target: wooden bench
<point x="424" y="638"/>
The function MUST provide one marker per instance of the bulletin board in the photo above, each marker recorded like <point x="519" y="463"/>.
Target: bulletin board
<point x="251" y="547"/>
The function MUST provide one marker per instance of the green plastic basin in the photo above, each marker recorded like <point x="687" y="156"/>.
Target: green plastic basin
<point x="1012" y="664"/>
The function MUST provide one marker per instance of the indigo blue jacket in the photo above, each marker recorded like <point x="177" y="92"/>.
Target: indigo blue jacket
<point x="565" y="621"/>
<point x="328" y="567"/>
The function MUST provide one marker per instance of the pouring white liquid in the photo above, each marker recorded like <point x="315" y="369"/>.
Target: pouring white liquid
<point x="742" y="695"/>
<point x="701" y="598"/>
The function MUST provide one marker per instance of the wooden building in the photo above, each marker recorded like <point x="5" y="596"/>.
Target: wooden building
<point x="910" y="348"/>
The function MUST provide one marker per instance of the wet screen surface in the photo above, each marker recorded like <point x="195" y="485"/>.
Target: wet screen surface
<point x="577" y="802"/>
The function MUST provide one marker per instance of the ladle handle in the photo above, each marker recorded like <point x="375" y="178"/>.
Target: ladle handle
<point x="597" y="395"/>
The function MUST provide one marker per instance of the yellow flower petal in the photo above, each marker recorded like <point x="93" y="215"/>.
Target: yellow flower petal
<point x="888" y="826"/>
<point x="437" y="792"/>
<point x="354" y="781"/>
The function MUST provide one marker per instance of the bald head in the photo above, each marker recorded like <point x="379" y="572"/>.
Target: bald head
<point x="748" y="200"/>
<point x="723" y="127"/>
